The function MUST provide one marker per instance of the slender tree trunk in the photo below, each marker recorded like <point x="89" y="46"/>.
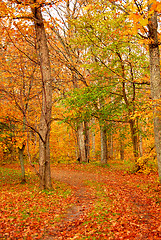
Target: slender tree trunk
<point x="45" y="120"/>
<point x="21" y="152"/>
<point x="87" y="143"/>
<point x="81" y="143"/>
<point x="155" y="81"/>
<point x="134" y="136"/>
<point x="93" y="141"/>
<point x="121" y="149"/>
<point x="131" y="110"/>
<point x="110" y="144"/>
<point x="93" y="145"/>
<point x="140" y="145"/>
<point x="104" y="153"/>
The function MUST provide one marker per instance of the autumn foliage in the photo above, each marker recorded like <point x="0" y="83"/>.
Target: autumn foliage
<point x="100" y="74"/>
<point x="80" y="80"/>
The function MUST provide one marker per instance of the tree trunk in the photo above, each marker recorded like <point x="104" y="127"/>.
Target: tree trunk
<point x="140" y="145"/>
<point x="21" y="151"/>
<point x="87" y="143"/>
<point x="110" y="144"/>
<point x="81" y="143"/>
<point x="93" y="140"/>
<point x="155" y="81"/>
<point x="134" y="136"/>
<point x="104" y="153"/>
<point x="121" y="149"/>
<point x="45" y="119"/>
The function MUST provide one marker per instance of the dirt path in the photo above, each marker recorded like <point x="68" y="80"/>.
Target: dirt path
<point x="82" y="193"/>
<point x="139" y="217"/>
<point x="77" y="212"/>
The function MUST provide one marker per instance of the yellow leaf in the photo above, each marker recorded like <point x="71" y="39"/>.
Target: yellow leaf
<point x="158" y="8"/>
<point x="144" y="22"/>
<point x="135" y="30"/>
<point x="87" y="7"/>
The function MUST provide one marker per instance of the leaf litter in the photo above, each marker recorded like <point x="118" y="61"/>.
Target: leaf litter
<point x="102" y="204"/>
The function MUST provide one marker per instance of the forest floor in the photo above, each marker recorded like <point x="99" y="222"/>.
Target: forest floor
<point x="110" y="205"/>
<point x="90" y="202"/>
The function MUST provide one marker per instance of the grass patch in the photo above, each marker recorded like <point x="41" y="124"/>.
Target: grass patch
<point x="125" y="166"/>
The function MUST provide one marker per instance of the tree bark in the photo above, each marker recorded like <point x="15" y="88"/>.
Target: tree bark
<point x="81" y="143"/>
<point x="110" y="144"/>
<point x="21" y="151"/>
<point x="93" y="138"/>
<point x="45" y="119"/>
<point x="104" y="153"/>
<point x="134" y="136"/>
<point x="87" y="143"/>
<point x="155" y="81"/>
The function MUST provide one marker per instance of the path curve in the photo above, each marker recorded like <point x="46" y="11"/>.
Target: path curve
<point x="143" y="210"/>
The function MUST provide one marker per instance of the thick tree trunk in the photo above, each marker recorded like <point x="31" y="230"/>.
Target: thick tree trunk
<point x="45" y="120"/>
<point x="155" y="81"/>
<point x="104" y="152"/>
<point x="21" y="151"/>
